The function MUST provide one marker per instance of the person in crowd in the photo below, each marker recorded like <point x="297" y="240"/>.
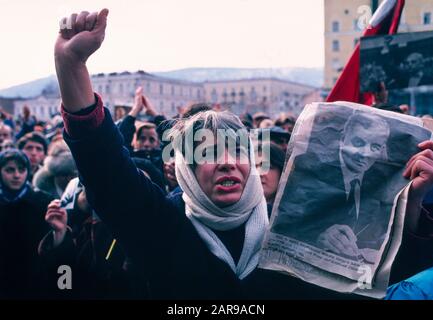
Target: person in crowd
<point x="6" y="118"/>
<point x="266" y="123"/>
<point x="35" y="146"/>
<point x="22" y="226"/>
<point x="58" y="169"/>
<point x="270" y="165"/>
<point x="119" y="113"/>
<point x="28" y="122"/>
<point x="280" y="137"/>
<point x="170" y="176"/>
<point x="39" y="127"/>
<point x="53" y="129"/>
<point x="258" y="117"/>
<point x="82" y="241"/>
<point x="247" y="120"/>
<point x="128" y="125"/>
<point x="277" y="135"/>
<point x="287" y="122"/>
<point x="418" y="287"/>
<point x="146" y="138"/>
<point x="381" y="100"/>
<point x="196" y="108"/>
<point x="204" y="244"/>
<point x="413" y="68"/>
<point x="5" y="132"/>
<point x="6" y="145"/>
<point x="147" y="145"/>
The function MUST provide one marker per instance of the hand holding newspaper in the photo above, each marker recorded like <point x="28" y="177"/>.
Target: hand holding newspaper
<point x="338" y="217"/>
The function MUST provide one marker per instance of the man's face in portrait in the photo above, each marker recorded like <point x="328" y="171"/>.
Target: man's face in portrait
<point x="361" y="147"/>
<point x="414" y="63"/>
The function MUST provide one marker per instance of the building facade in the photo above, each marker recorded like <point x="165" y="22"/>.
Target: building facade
<point x="269" y="95"/>
<point x="344" y="21"/>
<point x="118" y="89"/>
<point x="43" y="107"/>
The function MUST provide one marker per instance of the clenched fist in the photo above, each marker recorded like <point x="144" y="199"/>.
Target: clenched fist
<point x="80" y="35"/>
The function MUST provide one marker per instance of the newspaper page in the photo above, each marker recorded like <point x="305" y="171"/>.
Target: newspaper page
<point x="338" y="216"/>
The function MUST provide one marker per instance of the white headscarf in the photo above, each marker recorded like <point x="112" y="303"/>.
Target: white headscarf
<point x="205" y="216"/>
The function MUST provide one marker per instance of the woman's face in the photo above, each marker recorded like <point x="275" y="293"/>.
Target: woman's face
<point x="13" y="175"/>
<point x="224" y="181"/>
<point x="147" y="140"/>
<point x="269" y="178"/>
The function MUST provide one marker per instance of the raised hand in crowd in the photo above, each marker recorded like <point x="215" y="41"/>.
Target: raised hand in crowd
<point x="138" y="103"/>
<point x="79" y="37"/>
<point x="150" y="109"/>
<point x="57" y="218"/>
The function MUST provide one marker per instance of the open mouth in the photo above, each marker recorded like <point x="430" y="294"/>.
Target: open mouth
<point x="228" y="183"/>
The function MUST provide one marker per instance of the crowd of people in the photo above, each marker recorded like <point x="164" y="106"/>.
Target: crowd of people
<point x="97" y="194"/>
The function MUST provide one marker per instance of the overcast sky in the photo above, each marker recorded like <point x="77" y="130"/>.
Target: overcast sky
<point x="162" y="35"/>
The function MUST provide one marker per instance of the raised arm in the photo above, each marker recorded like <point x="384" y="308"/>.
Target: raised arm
<point x="79" y="37"/>
<point x="127" y="202"/>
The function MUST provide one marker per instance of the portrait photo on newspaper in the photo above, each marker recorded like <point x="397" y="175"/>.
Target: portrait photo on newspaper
<point x="335" y="206"/>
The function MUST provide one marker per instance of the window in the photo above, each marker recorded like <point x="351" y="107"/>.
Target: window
<point x="335" y="45"/>
<point x="225" y="95"/>
<point x="120" y="88"/>
<point x="161" y="89"/>
<point x="242" y="93"/>
<point x="214" y="96"/>
<point x="335" y="26"/>
<point x="253" y="94"/>
<point x="148" y="87"/>
<point x="336" y="64"/>
<point x="427" y="18"/>
<point x="107" y="89"/>
<point x="198" y="94"/>
<point x="172" y="90"/>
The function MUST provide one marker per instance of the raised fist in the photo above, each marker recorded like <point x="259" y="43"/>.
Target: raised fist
<point x="80" y="35"/>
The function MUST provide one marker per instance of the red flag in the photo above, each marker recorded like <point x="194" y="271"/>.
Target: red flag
<point x="385" y="20"/>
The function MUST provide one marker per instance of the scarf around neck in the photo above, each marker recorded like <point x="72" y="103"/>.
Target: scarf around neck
<point x="10" y="196"/>
<point x="206" y="216"/>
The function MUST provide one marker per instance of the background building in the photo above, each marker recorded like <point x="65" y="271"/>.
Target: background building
<point x="42" y="107"/>
<point x="118" y="89"/>
<point x="342" y="29"/>
<point x="270" y="95"/>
